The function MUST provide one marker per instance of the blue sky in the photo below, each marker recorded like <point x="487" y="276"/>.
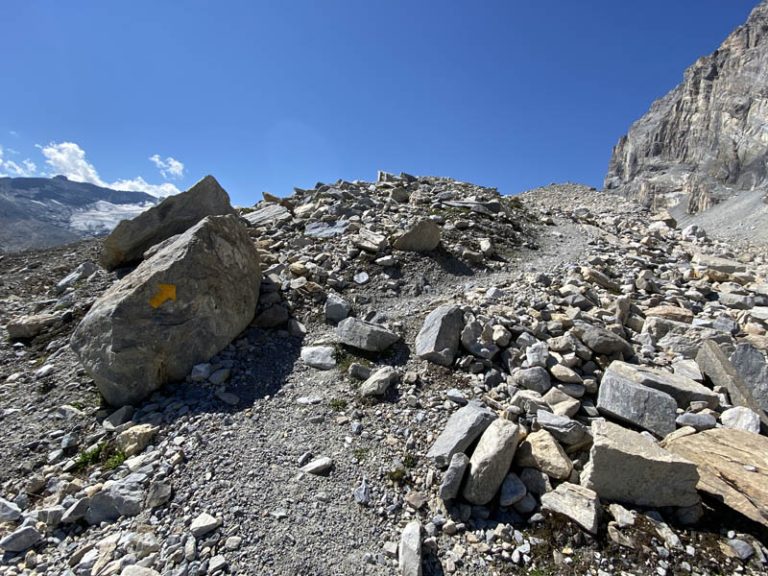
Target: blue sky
<point x="267" y="95"/>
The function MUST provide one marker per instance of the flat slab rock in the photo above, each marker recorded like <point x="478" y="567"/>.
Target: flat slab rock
<point x="625" y="466"/>
<point x="578" y="503"/>
<point x="733" y="467"/>
<point x="365" y="335"/>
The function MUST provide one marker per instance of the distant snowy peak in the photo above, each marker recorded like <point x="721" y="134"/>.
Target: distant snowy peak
<point x="43" y="212"/>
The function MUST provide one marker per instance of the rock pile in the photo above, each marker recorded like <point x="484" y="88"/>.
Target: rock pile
<point x="434" y="379"/>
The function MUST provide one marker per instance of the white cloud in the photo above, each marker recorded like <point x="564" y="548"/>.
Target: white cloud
<point x="170" y="168"/>
<point x="14" y="169"/>
<point x="138" y="184"/>
<point x="68" y="159"/>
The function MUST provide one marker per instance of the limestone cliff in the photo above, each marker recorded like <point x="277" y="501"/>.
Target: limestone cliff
<point x="708" y="138"/>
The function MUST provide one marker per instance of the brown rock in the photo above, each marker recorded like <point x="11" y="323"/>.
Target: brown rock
<point x="733" y="467"/>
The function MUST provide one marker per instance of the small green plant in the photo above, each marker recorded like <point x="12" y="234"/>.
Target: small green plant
<point x="409" y="460"/>
<point x="88" y="458"/>
<point x="397" y="474"/>
<point x="338" y="404"/>
<point x="360" y="454"/>
<point x="115" y="460"/>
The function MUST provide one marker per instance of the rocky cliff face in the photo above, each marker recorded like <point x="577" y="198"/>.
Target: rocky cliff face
<point x="707" y="139"/>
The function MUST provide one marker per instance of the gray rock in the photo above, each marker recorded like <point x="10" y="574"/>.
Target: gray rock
<point x="698" y="420"/>
<point x="684" y="390"/>
<point x="600" y="340"/>
<point x="118" y="417"/>
<point x="83" y="271"/>
<point x="51" y="516"/>
<point x="379" y="382"/>
<point x="123" y="498"/>
<point x="536" y="379"/>
<point x="575" y="502"/>
<point x="9" y="511"/>
<point x="203" y="524"/>
<point x="537" y="354"/>
<point x="478" y="340"/>
<point x="268" y="213"/>
<point x="336" y="308"/>
<point x="21" y="539"/>
<point x="365" y="335"/>
<point x="76" y="511"/>
<point x="177" y="309"/>
<point x="491" y="460"/>
<point x="625" y="466"/>
<point x="320" y="357"/>
<point x="424" y="236"/>
<point x="565" y="429"/>
<point x="512" y="490"/>
<point x="462" y="429"/>
<point x="536" y="482"/>
<point x="319" y="466"/>
<point x="174" y="215"/>
<point x="750" y="363"/>
<point x="714" y="364"/>
<point x="438" y="339"/>
<point x="741" y="418"/>
<point x="136" y="570"/>
<point x="744" y="550"/>
<point x="636" y="404"/>
<point x="453" y="476"/>
<point x="159" y="494"/>
<point x="409" y="550"/>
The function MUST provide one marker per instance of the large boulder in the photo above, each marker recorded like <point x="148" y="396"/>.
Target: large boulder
<point x="625" y="466"/>
<point x="177" y="309"/>
<point x="733" y="467"/>
<point x="174" y="215"/>
<point x="438" y="339"/>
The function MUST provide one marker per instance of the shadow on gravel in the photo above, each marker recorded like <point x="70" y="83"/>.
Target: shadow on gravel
<point x="257" y="370"/>
<point x="449" y="263"/>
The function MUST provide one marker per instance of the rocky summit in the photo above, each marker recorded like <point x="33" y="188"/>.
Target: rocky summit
<point x="409" y="376"/>
<point x="704" y="142"/>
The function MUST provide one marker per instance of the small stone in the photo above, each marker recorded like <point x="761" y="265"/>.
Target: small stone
<point x="336" y="308"/>
<point x="512" y="490"/>
<point x="453" y="477"/>
<point x="319" y="467"/>
<point x="379" y="382"/>
<point x="135" y="439"/>
<point x="320" y="357"/>
<point x="204" y="524"/>
<point x="577" y="503"/>
<point x="741" y="418"/>
<point x="9" y="512"/>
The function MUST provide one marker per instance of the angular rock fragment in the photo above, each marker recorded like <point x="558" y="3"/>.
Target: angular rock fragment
<point x="600" y="340"/>
<point x="365" y="335"/>
<point x="733" y="467"/>
<point x="30" y="326"/>
<point x="379" y="382"/>
<point x="715" y="365"/>
<point x="409" y="550"/>
<point x="490" y="461"/>
<point x="453" y="476"/>
<point x="438" y="339"/>
<point x="320" y="357"/>
<point x="753" y="369"/>
<point x="541" y="451"/>
<point x="536" y="379"/>
<point x="177" y="309"/>
<point x="682" y="389"/>
<point x="336" y="308"/>
<point x="625" y="466"/>
<point x="578" y="503"/>
<point x="424" y="236"/>
<point x="741" y="418"/>
<point x="623" y="398"/>
<point x="174" y="215"/>
<point x="462" y="429"/>
<point x="21" y="539"/>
